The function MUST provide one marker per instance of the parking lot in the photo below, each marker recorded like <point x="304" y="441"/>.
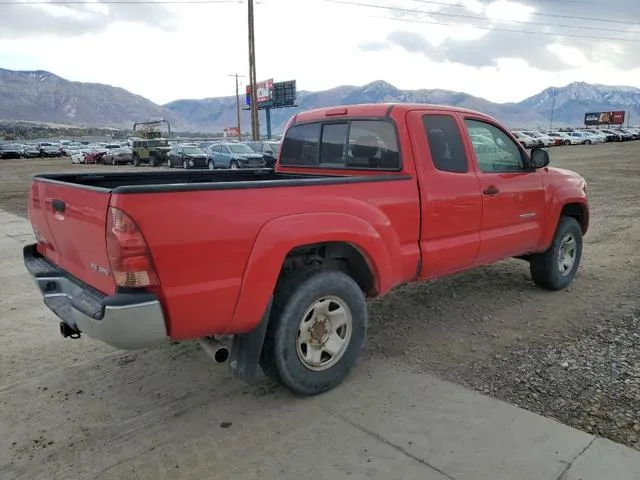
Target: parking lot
<point x="570" y="355"/>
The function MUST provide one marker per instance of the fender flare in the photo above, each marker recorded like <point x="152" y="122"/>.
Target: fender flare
<point x="561" y="198"/>
<point x="279" y="236"/>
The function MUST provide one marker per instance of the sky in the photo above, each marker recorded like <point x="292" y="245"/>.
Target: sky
<point x="501" y="50"/>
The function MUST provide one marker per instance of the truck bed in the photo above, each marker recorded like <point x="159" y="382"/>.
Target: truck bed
<point x="168" y="181"/>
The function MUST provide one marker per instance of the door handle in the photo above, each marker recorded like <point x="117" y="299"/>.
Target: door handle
<point x="491" y="190"/>
<point x="58" y="205"/>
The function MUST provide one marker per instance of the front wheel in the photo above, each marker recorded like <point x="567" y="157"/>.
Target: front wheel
<point x="136" y="161"/>
<point x="316" y="330"/>
<point x="234" y="165"/>
<point x="185" y="164"/>
<point x="556" y="268"/>
<point x="211" y="165"/>
<point x="567" y="142"/>
<point x="169" y="164"/>
<point x="587" y="142"/>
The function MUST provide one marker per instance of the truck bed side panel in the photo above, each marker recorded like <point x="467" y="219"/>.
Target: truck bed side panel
<point x="201" y="240"/>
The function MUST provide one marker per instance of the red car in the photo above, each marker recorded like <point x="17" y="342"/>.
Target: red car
<point x="363" y="199"/>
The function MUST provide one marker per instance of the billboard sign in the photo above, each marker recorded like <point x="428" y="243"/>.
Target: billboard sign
<point x="264" y="92"/>
<point x="231" y="132"/>
<point x="281" y="94"/>
<point x="604" y="118"/>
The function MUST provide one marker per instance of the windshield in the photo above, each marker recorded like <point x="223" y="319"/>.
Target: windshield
<point x="193" y="151"/>
<point x="158" y="143"/>
<point x="240" y="148"/>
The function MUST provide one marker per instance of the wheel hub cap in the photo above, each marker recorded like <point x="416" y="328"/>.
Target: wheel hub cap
<point x="567" y="254"/>
<point x="324" y="333"/>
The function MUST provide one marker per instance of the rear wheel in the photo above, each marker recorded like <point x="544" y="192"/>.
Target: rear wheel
<point x="211" y="165"/>
<point x="556" y="268"/>
<point x="185" y="164"/>
<point x="587" y="142"/>
<point x="113" y="161"/>
<point x="316" y="331"/>
<point x="136" y="160"/>
<point x="169" y="164"/>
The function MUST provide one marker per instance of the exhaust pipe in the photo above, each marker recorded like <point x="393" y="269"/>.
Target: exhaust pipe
<point x="215" y="349"/>
<point x="68" y="332"/>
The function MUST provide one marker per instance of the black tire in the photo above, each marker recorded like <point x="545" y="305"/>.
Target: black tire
<point x="113" y="161"/>
<point x="545" y="268"/>
<point x="169" y="164"/>
<point x="294" y="295"/>
<point x="136" y="161"/>
<point x="211" y="165"/>
<point x="567" y="142"/>
<point x="587" y="142"/>
<point x="234" y="165"/>
<point x="185" y="164"/>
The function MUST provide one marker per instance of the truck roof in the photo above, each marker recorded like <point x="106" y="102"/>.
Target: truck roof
<point x="372" y="110"/>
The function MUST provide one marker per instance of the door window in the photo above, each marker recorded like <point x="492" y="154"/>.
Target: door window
<point x="445" y="143"/>
<point x="494" y="149"/>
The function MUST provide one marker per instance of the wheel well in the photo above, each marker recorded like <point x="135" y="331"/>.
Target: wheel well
<point x="577" y="211"/>
<point x="343" y="255"/>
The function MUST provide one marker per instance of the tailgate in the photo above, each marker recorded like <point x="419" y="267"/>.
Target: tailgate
<point x="69" y="222"/>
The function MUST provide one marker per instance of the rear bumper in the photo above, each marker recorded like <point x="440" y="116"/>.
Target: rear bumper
<point x="125" y="320"/>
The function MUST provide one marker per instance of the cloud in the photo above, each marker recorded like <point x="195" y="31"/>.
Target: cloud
<point x="20" y="20"/>
<point x="544" y="51"/>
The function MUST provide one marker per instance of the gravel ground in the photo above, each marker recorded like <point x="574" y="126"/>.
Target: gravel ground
<point x="570" y="355"/>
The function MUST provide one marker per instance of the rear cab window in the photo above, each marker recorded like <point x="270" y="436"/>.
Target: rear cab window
<point x="346" y="144"/>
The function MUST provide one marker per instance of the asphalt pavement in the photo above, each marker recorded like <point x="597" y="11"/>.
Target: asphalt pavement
<point x="77" y="409"/>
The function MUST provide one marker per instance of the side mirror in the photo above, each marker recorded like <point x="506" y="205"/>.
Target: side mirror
<point x="539" y="158"/>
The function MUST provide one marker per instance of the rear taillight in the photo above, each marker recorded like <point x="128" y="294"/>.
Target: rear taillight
<point x="129" y="256"/>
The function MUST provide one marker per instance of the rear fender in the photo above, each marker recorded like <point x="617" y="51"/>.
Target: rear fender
<point x="281" y="235"/>
<point x="561" y="198"/>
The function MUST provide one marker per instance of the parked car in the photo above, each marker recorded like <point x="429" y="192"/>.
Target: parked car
<point x="187" y="156"/>
<point x="284" y="260"/>
<point x="233" y="155"/>
<point x="152" y="151"/>
<point x="10" y="151"/>
<point x="47" y="149"/>
<point x="79" y="155"/>
<point x="580" y="138"/>
<point x="594" y="137"/>
<point x="31" y="151"/>
<point x="94" y="156"/>
<point x="546" y="139"/>
<point x="560" y="138"/>
<point x="268" y="149"/>
<point x="619" y="137"/>
<point x="117" y="156"/>
<point x="526" y="140"/>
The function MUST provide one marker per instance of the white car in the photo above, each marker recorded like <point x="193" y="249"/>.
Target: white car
<point x="526" y="140"/>
<point x="598" y="136"/>
<point x="78" y="155"/>
<point x="580" y="138"/>
<point x="546" y="139"/>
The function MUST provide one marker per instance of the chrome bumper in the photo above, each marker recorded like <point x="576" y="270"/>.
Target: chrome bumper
<point x="125" y="320"/>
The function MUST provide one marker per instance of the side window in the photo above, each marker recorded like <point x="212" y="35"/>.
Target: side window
<point x="445" y="143"/>
<point x="300" y="146"/>
<point x="496" y="152"/>
<point x="373" y="144"/>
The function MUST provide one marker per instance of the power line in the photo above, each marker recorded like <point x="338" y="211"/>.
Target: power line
<point x="497" y="29"/>
<point x="406" y="10"/>
<point x="539" y="14"/>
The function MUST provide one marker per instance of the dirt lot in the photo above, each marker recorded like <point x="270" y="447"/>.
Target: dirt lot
<point x="571" y="355"/>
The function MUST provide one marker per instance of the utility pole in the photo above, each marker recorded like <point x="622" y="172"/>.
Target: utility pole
<point x="255" y="125"/>
<point x="238" y="104"/>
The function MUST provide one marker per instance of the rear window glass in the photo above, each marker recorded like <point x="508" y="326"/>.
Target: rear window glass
<point x="357" y="144"/>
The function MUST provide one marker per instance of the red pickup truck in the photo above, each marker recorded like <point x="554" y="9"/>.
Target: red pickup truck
<point x="363" y="198"/>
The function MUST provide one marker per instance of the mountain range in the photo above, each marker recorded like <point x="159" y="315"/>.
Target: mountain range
<point x="42" y="96"/>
